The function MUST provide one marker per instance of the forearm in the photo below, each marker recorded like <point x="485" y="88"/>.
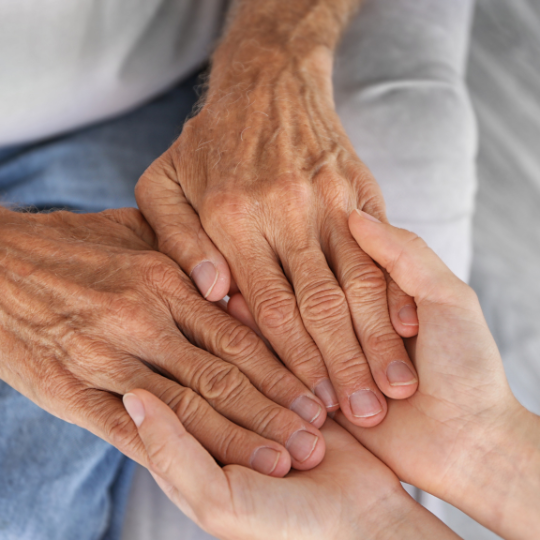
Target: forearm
<point x="500" y="487"/>
<point x="274" y="33"/>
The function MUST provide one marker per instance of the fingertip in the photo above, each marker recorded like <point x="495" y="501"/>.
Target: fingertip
<point x="271" y="461"/>
<point x="212" y="278"/>
<point x="405" y="320"/>
<point x="307" y="442"/>
<point x="365" y="408"/>
<point x="310" y="410"/>
<point x="283" y="465"/>
<point x="134" y="407"/>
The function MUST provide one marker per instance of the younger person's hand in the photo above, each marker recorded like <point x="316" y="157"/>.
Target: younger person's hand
<point x="350" y="495"/>
<point x="463" y="436"/>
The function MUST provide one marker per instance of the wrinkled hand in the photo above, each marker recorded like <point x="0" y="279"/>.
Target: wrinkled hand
<point x="463" y="436"/>
<point x="266" y="174"/>
<point x="89" y="310"/>
<point x="350" y="495"/>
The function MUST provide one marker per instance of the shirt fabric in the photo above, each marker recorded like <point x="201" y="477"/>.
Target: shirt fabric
<point x="64" y="65"/>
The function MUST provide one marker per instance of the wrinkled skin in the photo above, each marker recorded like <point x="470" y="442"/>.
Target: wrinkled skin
<point x="350" y="495"/>
<point x="266" y="174"/>
<point x="89" y="310"/>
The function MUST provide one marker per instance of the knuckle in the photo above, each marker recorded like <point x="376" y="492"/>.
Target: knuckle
<point x="239" y="342"/>
<point x="306" y="359"/>
<point x="275" y="310"/>
<point x="160" y="458"/>
<point x="412" y="243"/>
<point x="338" y="193"/>
<point x="157" y="271"/>
<point x="225" y="208"/>
<point x="186" y="404"/>
<point x="366" y="282"/>
<point x="220" y="381"/>
<point x="120" y="431"/>
<point x="278" y="381"/>
<point x="322" y="302"/>
<point x="273" y="419"/>
<point x="229" y="444"/>
<point x="352" y="372"/>
<point x="381" y="341"/>
<point x="293" y="190"/>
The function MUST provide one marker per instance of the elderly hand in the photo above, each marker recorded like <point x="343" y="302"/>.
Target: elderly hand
<point x="89" y="311"/>
<point x="266" y="174"/>
<point x="350" y="495"/>
<point x="463" y="436"/>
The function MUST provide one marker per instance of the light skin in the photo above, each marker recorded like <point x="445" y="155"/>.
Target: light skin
<point x="462" y="437"/>
<point x="350" y="495"/>
<point x="89" y="310"/>
<point x="254" y="196"/>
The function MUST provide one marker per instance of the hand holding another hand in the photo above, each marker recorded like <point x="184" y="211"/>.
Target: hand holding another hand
<point x="462" y="437"/>
<point x="351" y="495"/>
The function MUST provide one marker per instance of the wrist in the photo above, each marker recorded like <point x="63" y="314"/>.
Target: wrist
<point x="239" y="68"/>
<point x="498" y="483"/>
<point x="402" y="517"/>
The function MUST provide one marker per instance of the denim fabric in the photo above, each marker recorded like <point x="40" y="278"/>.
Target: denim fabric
<point x="58" y="481"/>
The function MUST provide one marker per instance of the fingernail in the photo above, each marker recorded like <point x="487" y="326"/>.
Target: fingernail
<point x="326" y="393"/>
<point x="306" y="408"/>
<point x="407" y="315"/>
<point x="367" y="216"/>
<point x="400" y="374"/>
<point x="205" y="277"/>
<point x="301" y="445"/>
<point x="364" y="403"/>
<point x="265" y="460"/>
<point x="135" y="408"/>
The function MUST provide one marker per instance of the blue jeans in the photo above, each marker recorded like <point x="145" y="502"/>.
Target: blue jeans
<point x="58" y="481"/>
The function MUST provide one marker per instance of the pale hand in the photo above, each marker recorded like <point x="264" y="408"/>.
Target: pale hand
<point x="350" y="495"/>
<point x="463" y="436"/>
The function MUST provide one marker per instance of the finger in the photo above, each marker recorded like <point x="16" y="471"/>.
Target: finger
<point x="364" y="285"/>
<point x="194" y="480"/>
<point x="410" y="262"/>
<point x="230" y="393"/>
<point x="238" y="308"/>
<point x="227" y="339"/>
<point x="402" y="309"/>
<point x="179" y="230"/>
<point x="272" y="302"/>
<point x="326" y="315"/>
<point x="226" y="441"/>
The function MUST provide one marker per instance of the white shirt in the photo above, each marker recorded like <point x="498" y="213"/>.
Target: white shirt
<point x="67" y="63"/>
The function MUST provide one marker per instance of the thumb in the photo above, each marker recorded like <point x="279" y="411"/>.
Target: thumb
<point x="179" y="232"/>
<point x="184" y="469"/>
<point x="407" y="258"/>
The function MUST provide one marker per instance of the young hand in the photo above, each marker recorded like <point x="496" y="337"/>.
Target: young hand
<point x="350" y="495"/>
<point x="463" y="436"/>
